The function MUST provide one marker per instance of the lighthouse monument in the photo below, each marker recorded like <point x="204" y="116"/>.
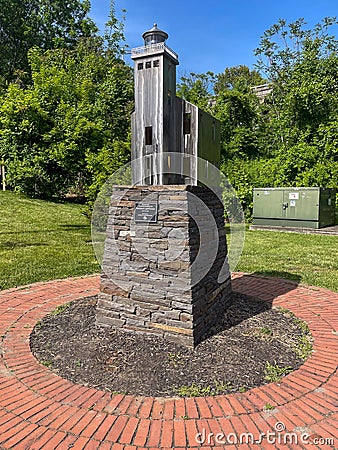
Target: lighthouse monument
<point x="165" y="269"/>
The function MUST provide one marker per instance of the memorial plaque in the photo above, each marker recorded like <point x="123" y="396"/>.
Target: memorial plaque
<point x="145" y="212"/>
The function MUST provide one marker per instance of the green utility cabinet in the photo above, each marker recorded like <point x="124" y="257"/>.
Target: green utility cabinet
<point x="312" y="207"/>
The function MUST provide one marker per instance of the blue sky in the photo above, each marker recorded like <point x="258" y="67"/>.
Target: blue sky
<point x="214" y="34"/>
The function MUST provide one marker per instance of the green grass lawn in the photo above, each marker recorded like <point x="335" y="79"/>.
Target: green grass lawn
<point x="43" y="241"/>
<point x="306" y="258"/>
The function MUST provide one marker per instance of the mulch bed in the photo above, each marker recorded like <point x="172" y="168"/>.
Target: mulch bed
<point x="233" y="359"/>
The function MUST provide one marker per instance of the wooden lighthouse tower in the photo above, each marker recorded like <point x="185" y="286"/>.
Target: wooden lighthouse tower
<point x="163" y="123"/>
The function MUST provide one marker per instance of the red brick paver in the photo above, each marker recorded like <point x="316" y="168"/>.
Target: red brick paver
<point x="40" y="410"/>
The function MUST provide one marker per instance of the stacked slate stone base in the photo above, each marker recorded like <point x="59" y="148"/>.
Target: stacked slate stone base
<point x="169" y="277"/>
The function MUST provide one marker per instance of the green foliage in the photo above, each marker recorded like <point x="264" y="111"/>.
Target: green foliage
<point x="290" y="138"/>
<point x="269" y="407"/>
<point x="44" y="23"/>
<point x="236" y="111"/>
<point x="294" y="136"/>
<point x="194" y="390"/>
<point x="65" y="121"/>
<point x="47" y="363"/>
<point x="39" y="325"/>
<point x="274" y="373"/>
<point x="282" y="46"/>
<point x="304" y="348"/>
<point x="60" y="309"/>
<point x="245" y="174"/>
<point x="228" y="97"/>
<point x="285" y="311"/>
<point x="174" y="359"/>
<point x="103" y="164"/>
<point x="114" y="32"/>
<point x="266" y="331"/>
<point x="197" y="89"/>
<point x="70" y="124"/>
<point x="239" y="78"/>
<point x="302" y="325"/>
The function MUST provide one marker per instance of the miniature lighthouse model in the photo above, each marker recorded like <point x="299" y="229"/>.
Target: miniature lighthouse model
<point x="165" y="269"/>
<point x="163" y="123"/>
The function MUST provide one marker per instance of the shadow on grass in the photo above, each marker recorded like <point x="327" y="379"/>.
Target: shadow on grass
<point x="73" y="227"/>
<point x="55" y="229"/>
<point x="279" y="274"/>
<point x="13" y="245"/>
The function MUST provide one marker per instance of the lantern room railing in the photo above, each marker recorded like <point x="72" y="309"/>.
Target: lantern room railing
<point x="153" y="49"/>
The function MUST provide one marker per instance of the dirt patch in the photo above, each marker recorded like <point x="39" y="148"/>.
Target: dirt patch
<point x="248" y="338"/>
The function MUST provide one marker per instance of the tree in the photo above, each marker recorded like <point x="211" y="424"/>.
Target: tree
<point x="197" y="89"/>
<point x="303" y="69"/>
<point x="296" y="127"/>
<point x="78" y="105"/>
<point x="292" y="138"/>
<point x="237" y="112"/>
<point x="43" y="23"/>
<point x="228" y="96"/>
<point x="301" y="66"/>
<point x="237" y="77"/>
<point x="114" y="32"/>
<point x="282" y="46"/>
<point x="236" y="107"/>
<point x="64" y="117"/>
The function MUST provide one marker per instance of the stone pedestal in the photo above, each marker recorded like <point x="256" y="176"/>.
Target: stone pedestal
<point x="168" y="274"/>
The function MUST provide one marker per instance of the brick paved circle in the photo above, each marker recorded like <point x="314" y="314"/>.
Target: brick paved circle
<point x="38" y="409"/>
